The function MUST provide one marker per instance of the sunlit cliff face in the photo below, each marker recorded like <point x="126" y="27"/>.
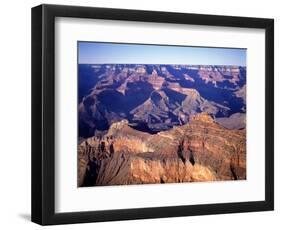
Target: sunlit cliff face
<point x="201" y="150"/>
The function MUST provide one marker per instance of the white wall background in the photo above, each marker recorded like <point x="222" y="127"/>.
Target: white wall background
<point x="15" y="167"/>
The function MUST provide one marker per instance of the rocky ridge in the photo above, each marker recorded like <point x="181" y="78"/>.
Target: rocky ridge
<point x="201" y="150"/>
<point x="156" y="97"/>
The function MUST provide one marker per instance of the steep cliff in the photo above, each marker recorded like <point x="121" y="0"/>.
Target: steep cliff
<point x="200" y="150"/>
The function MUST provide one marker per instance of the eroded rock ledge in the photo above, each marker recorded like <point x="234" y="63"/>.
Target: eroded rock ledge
<point x="201" y="150"/>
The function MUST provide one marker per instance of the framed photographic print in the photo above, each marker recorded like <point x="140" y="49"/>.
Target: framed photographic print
<point x="142" y="114"/>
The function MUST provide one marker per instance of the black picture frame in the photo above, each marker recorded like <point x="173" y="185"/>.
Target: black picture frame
<point x="43" y="114"/>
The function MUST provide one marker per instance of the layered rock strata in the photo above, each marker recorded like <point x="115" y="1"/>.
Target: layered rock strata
<point x="201" y="150"/>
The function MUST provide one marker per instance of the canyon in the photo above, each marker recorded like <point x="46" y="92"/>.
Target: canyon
<point x="147" y="124"/>
<point x="155" y="98"/>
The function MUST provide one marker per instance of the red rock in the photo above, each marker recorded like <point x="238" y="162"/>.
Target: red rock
<point x="201" y="150"/>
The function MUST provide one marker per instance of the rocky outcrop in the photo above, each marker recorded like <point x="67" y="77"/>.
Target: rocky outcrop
<point x="235" y="121"/>
<point x="201" y="150"/>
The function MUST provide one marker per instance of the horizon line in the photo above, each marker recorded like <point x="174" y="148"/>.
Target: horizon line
<point x="117" y="53"/>
<point x="160" y="64"/>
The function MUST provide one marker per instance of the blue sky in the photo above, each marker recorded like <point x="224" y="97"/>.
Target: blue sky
<point x="101" y="53"/>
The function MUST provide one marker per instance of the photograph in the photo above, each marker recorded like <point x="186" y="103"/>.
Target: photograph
<point x="155" y="114"/>
<point x="140" y="114"/>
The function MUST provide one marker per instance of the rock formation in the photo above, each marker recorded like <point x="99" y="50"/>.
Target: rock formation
<point x="156" y="97"/>
<point x="235" y="121"/>
<point x="201" y="150"/>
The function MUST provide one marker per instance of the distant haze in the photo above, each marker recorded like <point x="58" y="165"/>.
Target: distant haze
<point x="114" y="53"/>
